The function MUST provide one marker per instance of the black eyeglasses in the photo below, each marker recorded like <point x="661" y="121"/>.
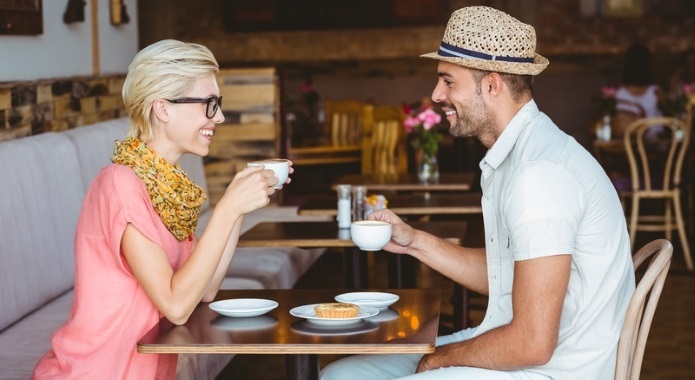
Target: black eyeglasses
<point x="213" y="104"/>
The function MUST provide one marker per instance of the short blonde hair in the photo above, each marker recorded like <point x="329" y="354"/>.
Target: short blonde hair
<point x="163" y="70"/>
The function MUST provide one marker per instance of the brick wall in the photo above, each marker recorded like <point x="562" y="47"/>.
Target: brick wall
<point x="667" y="26"/>
<point x="30" y="108"/>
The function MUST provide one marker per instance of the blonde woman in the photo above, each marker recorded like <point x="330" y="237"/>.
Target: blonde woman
<point x="136" y="255"/>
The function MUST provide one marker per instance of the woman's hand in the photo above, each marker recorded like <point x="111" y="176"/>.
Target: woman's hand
<point x="402" y="235"/>
<point x="250" y="190"/>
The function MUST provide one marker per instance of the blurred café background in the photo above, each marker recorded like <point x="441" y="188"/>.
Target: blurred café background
<point x="62" y="65"/>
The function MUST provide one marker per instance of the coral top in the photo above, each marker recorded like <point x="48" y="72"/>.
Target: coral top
<point x="110" y="311"/>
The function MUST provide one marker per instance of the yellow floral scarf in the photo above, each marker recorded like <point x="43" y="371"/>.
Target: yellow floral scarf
<point x="176" y="198"/>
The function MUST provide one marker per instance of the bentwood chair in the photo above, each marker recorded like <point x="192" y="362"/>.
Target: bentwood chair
<point x="383" y="141"/>
<point x="655" y="174"/>
<point x="345" y="121"/>
<point x="640" y="311"/>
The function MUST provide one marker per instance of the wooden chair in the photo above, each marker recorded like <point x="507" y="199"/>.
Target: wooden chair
<point x="383" y="141"/>
<point x="345" y="121"/>
<point x="640" y="311"/>
<point x="655" y="173"/>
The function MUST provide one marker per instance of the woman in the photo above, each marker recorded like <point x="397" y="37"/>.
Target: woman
<point x="137" y="258"/>
<point x="638" y="96"/>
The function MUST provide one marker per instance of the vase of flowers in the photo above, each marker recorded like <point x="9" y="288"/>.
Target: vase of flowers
<point x="419" y="124"/>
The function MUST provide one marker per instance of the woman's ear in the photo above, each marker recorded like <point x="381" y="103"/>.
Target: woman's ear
<point x="159" y="108"/>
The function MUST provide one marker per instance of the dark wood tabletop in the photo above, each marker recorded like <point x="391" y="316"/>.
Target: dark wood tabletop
<point x="326" y="234"/>
<point x="408" y="326"/>
<point x="409" y="182"/>
<point x="437" y="203"/>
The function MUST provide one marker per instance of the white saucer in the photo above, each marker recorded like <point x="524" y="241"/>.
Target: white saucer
<point x="375" y="299"/>
<point x="243" y="307"/>
<point x="307" y="311"/>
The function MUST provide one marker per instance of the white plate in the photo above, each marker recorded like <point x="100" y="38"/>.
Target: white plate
<point x="307" y="311"/>
<point x="243" y="307"/>
<point x="375" y="299"/>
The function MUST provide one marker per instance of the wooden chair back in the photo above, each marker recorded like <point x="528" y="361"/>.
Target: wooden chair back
<point x="656" y="165"/>
<point x="660" y="158"/>
<point x="383" y="141"/>
<point x="345" y="121"/>
<point x="640" y="311"/>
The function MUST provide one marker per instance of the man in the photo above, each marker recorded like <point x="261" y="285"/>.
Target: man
<point x="556" y="266"/>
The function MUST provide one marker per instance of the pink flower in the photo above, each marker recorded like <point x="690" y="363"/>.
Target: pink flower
<point x="608" y="92"/>
<point x="429" y="118"/>
<point x="687" y="88"/>
<point x="410" y="123"/>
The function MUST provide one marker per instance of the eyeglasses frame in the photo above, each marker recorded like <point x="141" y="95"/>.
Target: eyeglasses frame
<point x="205" y="101"/>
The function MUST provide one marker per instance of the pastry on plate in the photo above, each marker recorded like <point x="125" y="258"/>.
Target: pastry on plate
<point x="336" y="310"/>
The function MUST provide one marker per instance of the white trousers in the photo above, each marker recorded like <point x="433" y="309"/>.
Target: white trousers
<point x="403" y="366"/>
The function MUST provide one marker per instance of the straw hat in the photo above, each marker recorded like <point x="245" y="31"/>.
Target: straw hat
<point x="487" y="39"/>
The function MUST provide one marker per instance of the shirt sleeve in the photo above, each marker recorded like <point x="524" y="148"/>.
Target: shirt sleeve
<point x="542" y="210"/>
<point x="129" y="203"/>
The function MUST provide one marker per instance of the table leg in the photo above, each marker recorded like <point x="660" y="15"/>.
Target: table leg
<point x="355" y="267"/>
<point x="301" y="367"/>
<point x="401" y="269"/>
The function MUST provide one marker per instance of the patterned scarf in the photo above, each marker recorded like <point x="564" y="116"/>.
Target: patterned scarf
<point x="176" y="199"/>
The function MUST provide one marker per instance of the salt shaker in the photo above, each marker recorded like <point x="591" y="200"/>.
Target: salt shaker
<point x="344" y="215"/>
<point x="359" y="195"/>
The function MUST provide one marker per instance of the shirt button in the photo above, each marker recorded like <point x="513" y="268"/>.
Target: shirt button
<point x="491" y="240"/>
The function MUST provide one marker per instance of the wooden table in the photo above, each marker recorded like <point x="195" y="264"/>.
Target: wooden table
<point x="404" y="204"/>
<point x="438" y="203"/>
<point x="326" y="234"/>
<point x="408" y="326"/>
<point x="409" y="182"/>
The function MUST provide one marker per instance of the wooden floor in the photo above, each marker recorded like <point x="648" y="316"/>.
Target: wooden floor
<point x="670" y="352"/>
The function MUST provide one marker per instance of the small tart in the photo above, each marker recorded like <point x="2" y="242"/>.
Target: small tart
<point x="336" y="310"/>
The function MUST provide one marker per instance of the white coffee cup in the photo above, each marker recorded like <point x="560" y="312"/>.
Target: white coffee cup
<point x="370" y="235"/>
<point x="279" y="166"/>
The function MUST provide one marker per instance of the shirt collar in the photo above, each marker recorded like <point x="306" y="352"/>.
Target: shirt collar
<point x="504" y="144"/>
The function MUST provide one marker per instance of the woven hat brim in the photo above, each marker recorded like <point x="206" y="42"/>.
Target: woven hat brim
<point x="539" y="64"/>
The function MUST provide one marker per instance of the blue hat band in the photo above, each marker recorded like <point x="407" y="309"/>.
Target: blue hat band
<point x="446" y="50"/>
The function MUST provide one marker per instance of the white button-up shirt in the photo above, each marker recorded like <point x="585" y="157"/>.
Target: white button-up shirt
<point x="543" y="195"/>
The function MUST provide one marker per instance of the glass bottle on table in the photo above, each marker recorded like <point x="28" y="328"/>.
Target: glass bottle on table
<point x="359" y="197"/>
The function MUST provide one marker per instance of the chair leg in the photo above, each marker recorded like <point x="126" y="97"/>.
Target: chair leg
<point x="681" y="232"/>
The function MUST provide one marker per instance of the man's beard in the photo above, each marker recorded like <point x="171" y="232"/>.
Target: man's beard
<point x="474" y="119"/>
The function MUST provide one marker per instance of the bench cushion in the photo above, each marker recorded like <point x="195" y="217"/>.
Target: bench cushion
<point x="42" y="194"/>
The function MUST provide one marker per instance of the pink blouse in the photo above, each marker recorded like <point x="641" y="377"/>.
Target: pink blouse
<point x="110" y="311"/>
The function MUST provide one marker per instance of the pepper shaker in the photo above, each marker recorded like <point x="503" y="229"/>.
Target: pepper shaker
<point x="359" y="195"/>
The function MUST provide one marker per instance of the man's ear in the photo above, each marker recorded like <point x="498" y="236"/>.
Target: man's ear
<point x="159" y="108"/>
<point x="493" y="84"/>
